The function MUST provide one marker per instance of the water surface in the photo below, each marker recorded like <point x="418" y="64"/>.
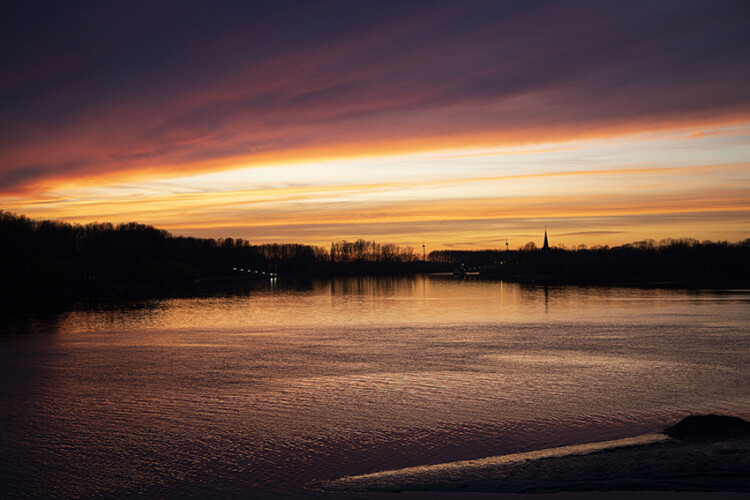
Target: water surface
<point x="263" y="390"/>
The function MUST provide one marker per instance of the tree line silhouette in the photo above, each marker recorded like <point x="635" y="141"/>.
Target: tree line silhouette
<point x="43" y="257"/>
<point x="683" y="261"/>
<point x="48" y="258"/>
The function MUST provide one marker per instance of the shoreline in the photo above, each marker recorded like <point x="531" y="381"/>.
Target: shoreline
<point x="650" y="462"/>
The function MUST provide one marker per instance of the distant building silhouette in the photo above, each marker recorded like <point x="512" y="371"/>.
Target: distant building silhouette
<point x="546" y="243"/>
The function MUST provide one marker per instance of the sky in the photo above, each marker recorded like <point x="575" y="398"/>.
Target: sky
<point x="457" y="124"/>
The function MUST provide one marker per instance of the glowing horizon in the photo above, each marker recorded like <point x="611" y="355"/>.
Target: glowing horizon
<point x="390" y="198"/>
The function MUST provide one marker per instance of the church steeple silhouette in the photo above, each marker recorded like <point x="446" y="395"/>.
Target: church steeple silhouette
<point x="546" y="243"/>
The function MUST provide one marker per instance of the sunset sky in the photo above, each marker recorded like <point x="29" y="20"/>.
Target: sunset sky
<point x="458" y="124"/>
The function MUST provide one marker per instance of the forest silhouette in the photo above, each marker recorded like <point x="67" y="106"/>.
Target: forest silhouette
<point x="52" y="259"/>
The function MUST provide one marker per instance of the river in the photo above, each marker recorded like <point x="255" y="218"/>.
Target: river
<point x="265" y="390"/>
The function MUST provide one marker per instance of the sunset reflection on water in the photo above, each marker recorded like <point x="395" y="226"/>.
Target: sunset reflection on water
<point x="264" y="389"/>
<point x="385" y="301"/>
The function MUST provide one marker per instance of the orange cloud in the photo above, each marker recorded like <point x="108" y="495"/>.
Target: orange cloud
<point x="409" y="80"/>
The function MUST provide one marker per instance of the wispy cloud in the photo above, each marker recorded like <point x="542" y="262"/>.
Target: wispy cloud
<point x="305" y="121"/>
<point x="107" y="90"/>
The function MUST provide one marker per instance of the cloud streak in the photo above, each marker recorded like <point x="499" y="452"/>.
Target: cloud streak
<point x="118" y="91"/>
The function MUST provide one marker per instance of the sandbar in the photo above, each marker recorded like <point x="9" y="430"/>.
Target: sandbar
<point x="651" y="462"/>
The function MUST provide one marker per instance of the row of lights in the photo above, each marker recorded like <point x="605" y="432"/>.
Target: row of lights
<point x="254" y="272"/>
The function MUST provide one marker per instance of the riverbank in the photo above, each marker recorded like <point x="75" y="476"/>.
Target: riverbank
<point x="654" y="463"/>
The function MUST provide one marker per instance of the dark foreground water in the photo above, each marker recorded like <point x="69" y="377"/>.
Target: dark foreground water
<point x="261" y="392"/>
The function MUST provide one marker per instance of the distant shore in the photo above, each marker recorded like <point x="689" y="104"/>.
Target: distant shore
<point x="654" y="463"/>
<point x="58" y="261"/>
